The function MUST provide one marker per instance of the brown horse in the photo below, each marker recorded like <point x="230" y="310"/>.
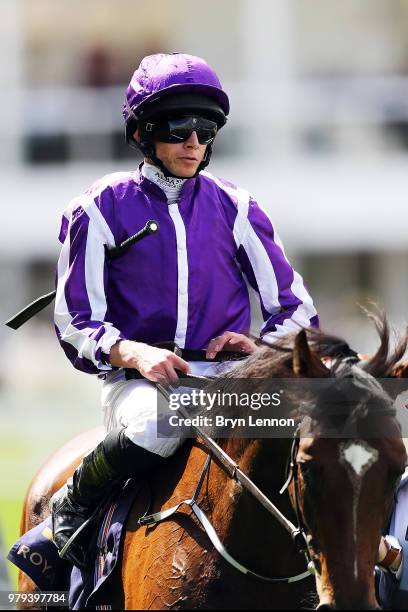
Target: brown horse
<point x="352" y="486"/>
<point x="174" y="566"/>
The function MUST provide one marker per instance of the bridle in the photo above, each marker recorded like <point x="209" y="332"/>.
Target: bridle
<point x="298" y="534"/>
<point x="293" y="475"/>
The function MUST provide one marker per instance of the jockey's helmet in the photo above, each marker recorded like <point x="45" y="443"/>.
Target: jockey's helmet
<point x="172" y="84"/>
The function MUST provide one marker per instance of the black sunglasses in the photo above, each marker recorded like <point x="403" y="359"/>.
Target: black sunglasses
<point x="178" y="130"/>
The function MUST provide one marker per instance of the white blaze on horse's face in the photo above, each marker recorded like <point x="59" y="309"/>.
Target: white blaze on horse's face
<point x="357" y="457"/>
<point x="360" y="456"/>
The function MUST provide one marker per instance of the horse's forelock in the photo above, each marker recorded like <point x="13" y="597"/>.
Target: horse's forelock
<point x="381" y="365"/>
<point x="275" y="361"/>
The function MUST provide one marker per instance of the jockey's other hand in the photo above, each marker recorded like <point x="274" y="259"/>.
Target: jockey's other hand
<point x="230" y="341"/>
<point x="155" y="364"/>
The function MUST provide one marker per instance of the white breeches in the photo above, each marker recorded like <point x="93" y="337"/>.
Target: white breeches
<point x="133" y="404"/>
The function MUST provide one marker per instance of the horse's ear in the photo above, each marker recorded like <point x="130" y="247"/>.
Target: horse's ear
<point x="305" y="362"/>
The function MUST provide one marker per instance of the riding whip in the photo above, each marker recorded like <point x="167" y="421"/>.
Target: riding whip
<point x="24" y="315"/>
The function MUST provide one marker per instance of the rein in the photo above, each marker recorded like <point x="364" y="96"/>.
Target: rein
<point x="233" y="471"/>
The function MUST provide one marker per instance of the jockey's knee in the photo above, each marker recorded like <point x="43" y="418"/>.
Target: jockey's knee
<point x="131" y="407"/>
<point x="163" y="444"/>
<point x="130" y="458"/>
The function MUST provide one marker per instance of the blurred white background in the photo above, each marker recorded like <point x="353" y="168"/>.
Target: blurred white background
<point x="318" y="132"/>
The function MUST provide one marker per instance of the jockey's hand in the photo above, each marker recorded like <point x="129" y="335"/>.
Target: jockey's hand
<point x="155" y="364"/>
<point x="230" y="341"/>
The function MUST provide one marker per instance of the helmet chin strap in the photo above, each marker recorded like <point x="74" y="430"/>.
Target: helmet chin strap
<point x="149" y="150"/>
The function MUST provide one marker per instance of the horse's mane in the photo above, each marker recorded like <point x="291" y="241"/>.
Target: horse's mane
<point x="276" y="359"/>
<point x="345" y="367"/>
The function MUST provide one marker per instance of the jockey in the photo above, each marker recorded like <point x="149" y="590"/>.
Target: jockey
<point x="186" y="284"/>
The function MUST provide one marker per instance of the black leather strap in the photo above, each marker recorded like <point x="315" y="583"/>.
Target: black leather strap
<point x="200" y="382"/>
<point x="199" y="355"/>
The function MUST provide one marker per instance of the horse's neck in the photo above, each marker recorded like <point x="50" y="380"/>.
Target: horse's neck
<point x="243" y="524"/>
<point x="263" y="460"/>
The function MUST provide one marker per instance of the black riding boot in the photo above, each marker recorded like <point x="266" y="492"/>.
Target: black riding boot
<point x="113" y="460"/>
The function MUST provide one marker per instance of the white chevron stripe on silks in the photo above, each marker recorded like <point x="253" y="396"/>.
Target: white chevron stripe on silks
<point x="246" y="237"/>
<point x="98" y="235"/>
<point x="264" y="272"/>
<point x="305" y="310"/>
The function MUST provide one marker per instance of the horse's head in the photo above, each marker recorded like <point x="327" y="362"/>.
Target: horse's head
<point x="343" y="486"/>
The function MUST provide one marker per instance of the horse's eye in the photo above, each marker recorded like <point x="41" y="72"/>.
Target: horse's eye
<point x="311" y="474"/>
<point x="306" y="468"/>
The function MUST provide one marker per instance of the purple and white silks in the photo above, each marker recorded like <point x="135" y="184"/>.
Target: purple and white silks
<point x="188" y="283"/>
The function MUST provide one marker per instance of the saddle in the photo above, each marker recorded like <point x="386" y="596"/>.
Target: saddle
<point x="36" y="555"/>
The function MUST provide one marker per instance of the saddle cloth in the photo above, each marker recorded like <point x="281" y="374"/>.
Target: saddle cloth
<point x="36" y="555"/>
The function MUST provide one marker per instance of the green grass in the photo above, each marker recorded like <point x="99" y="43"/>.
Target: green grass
<point x="10" y="512"/>
<point x="43" y="403"/>
<point x="16" y="470"/>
